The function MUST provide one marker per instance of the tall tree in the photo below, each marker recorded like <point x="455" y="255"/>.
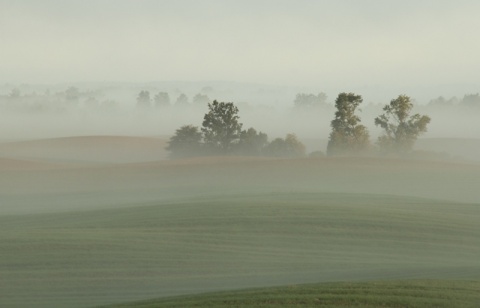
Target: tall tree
<point x="400" y="129"/>
<point x="221" y="128"/>
<point x="348" y="136"/>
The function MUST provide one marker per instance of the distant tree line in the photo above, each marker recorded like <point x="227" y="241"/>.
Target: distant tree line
<point x="56" y="102"/>
<point x="468" y="100"/>
<point x="73" y="98"/>
<point x="222" y="133"/>
<point x="309" y="101"/>
<point x="162" y="100"/>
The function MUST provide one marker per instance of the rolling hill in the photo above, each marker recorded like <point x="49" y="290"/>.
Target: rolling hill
<point x="82" y="233"/>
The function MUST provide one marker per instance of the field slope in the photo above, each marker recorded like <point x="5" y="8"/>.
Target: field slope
<point x="235" y="241"/>
<point x="81" y="231"/>
<point x="409" y="293"/>
<point x="87" y="149"/>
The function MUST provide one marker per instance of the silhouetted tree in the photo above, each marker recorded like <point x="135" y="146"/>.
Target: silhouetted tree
<point x="400" y="129"/>
<point x="201" y="99"/>
<point x="72" y="95"/>
<point x="471" y="100"/>
<point x="143" y="99"/>
<point x="443" y="102"/>
<point x="251" y="142"/>
<point x="185" y="143"/>
<point x="347" y="136"/>
<point x="182" y="101"/>
<point x="288" y="147"/>
<point x="221" y="128"/>
<point x="303" y="100"/>
<point x="162" y="99"/>
<point x="207" y="90"/>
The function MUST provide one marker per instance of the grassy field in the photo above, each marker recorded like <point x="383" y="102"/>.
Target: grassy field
<point x="409" y="293"/>
<point x="78" y="234"/>
<point x="225" y="243"/>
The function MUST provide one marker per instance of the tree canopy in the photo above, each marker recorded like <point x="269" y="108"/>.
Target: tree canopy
<point x="471" y="100"/>
<point x="251" y="142"/>
<point x="186" y="142"/>
<point x="348" y="136"/>
<point x="288" y="147"/>
<point x="143" y="99"/>
<point x="221" y="128"/>
<point x="303" y="100"/>
<point x="201" y="99"/>
<point x="162" y="99"/>
<point x="182" y="100"/>
<point x="400" y="129"/>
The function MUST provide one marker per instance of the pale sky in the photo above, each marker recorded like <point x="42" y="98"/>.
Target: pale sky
<point x="293" y="43"/>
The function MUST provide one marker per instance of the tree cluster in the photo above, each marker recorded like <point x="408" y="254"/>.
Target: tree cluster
<point x="57" y="102"/>
<point x="308" y="101"/>
<point x="468" y="102"/>
<point x="222" y="134"/>
<point x="162" y="99"/>
<point x="400" y="129"/>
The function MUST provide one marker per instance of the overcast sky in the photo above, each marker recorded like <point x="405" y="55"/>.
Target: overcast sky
<point x="297" y="42"/>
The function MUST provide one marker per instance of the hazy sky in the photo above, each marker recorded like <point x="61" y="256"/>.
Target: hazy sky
<point x="297" y="42"/>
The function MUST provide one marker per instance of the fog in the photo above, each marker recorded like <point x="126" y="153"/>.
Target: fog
<point x="98" y="109"/>
<point x="94" y="208"/>
<point x="384" y="48"/>
<point x="258" y="54"/>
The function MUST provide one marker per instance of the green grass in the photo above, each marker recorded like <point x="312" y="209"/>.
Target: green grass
<point x="401" y="294"/>
<point x="239" y="241"/>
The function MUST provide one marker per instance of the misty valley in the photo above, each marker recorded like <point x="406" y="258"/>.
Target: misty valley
<point x="118" y="197"/>
<point x="267" y="153"/>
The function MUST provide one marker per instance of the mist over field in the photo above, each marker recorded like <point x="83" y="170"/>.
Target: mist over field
<point x="151" y="149"/>
<point x="41" y="113"/>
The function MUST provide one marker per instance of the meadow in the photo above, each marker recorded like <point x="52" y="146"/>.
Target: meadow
<point x="405" y="293"/>
<point x="84" y="231"/>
